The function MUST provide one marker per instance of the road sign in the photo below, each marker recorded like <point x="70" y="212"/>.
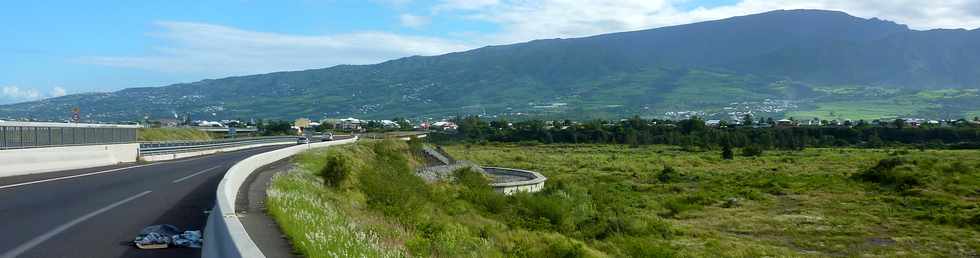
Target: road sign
<point x="76" y="115"/>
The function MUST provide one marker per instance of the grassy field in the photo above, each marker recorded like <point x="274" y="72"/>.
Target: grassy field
<point x="655" y="201"/>
<point x="857" y="110"/>
<point x="172" y="134"/>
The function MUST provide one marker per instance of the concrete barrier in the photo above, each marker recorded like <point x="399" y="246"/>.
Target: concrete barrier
<point x="180" y="155"/>
<point x="224" y="234"/>
<point x="40" y="160"/>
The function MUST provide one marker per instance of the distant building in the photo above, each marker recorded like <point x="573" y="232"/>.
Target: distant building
<point x="205" y="123"/>
<point x="388" y="124"/>
<point x="785" y="123"/>
<point x="169" y="122"/>
<point x="350" y="124"/>
<point x="444" y="125"/>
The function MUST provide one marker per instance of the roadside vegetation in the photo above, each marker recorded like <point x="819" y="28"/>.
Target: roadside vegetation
<point x="694" y="134"/>
<point x="645" y="201"/>
<point x="173" y="134"/>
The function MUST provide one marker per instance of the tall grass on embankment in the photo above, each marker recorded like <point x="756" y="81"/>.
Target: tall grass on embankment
<point x="364" y="200"/>
<point x="647" y="201"/>
<point x="173" y="134"/>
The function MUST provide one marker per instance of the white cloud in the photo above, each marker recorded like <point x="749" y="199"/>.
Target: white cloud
<point x="522" y="20"/>
<point x="58" y="92"/>
<point x="209" y="50"/>
<point x="215" y="50"/>
<point x="450" y="5"/>
<point x="14" y="94"/>
<point x="414" y="21"/>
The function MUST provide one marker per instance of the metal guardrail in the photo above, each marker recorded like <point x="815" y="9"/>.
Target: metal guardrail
<point x="158" y="148"/>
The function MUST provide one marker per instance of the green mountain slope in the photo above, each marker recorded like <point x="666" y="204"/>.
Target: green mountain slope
<point x="792" y="58"/>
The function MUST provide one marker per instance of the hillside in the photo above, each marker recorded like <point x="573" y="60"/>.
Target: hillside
<point x="805" y="62"/>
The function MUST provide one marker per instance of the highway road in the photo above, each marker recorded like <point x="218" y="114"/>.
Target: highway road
<point x="97" y="212"/>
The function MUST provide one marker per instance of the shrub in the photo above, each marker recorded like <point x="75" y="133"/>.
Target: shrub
<point x="726" y="153"/>
<point x="389" y="183"/>
<point x="676" y="206"/>
<point x="958" y="167"/>
<point x="522" y="243"/>
<point x="898" y="173"/>
<point x="337" y="170"/>
<point x="646" y="226"/>
<point x="668" y="175"/>
<point x="551" y="209"/>
<point x="415" y="144"/>
<point x="476" y="189"/>
<point x="640" y="247"/>
<point x="752" y="151"/>
<point x="445" y="239"/>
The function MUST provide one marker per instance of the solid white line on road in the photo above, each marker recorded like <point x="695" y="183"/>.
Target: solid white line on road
<point x="99" y="172"/>
<point x="54" y="232"/>
<point x="198" y="173"/>
<point x="70" y="177"/>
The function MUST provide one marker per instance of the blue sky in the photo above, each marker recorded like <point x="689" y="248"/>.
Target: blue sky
<point x="52" y="48"/>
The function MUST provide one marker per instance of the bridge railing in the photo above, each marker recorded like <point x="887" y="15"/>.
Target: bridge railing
<point x="155" y="148"/>
<point x="21" y="135"/>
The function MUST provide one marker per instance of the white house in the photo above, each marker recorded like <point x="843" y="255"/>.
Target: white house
<point x="350" y="123"/>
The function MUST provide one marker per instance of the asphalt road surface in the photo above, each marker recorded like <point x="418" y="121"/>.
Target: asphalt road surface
<point x="97" y="212"/>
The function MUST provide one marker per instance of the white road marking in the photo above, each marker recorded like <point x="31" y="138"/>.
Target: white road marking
<point x="103" y="172"/>
<point x="74" y="176"/>
<point x="198" y="173"/>
<point x="54" y="232"/>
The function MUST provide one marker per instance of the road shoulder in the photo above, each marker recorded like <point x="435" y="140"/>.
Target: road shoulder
<point x="251" y="208"/>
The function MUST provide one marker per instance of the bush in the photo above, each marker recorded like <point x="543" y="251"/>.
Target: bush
<point x="522" y="243"/>
<point x="639" y="247"/>
<point x="441" y="239"/>
<point x="898" y="173"/>
<point x="542" y="211"/>
<point x="476" y="189"/>
<point x="676" y="206"/>
<point x="337" y="170"/>
<point x="726" y="153"/>
<point x="668" y="175"/>
<point x="415" y="144"/>
<point x="389" y="183"/>
<point x="958" y="167"/>
<point x="752" y="151"/>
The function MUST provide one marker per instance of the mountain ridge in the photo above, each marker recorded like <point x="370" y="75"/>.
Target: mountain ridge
<point x="797" y="55"/>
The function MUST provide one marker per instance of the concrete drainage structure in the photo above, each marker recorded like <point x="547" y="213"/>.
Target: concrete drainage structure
<point x="507" y="181"/>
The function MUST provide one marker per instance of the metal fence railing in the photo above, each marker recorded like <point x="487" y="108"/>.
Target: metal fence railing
<point x="169" y="147"/>
<point x="34" y="135"/>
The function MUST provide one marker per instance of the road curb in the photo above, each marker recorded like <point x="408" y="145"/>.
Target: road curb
<point x="224" y="234"/>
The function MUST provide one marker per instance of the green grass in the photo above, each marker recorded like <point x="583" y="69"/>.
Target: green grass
<point x="789" y="203"/>
<point x="946" y="93"/>
<point x="172" y="134"/>
<point x="315" y="226"/>
<point x="857" y="110"/>
<point x="615" y="201"/>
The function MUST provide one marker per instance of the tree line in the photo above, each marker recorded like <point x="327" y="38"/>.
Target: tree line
<point x="694" y="134"/>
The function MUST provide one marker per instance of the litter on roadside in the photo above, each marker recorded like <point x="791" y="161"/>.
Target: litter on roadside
<point x="165" y="236"/>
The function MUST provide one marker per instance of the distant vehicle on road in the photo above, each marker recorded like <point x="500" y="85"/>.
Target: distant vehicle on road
<point x="327" y="137"/>
<point x="302" y="140"/>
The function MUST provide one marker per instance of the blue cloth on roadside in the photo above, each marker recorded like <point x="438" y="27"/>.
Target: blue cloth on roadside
<point x="168" y="235"/>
